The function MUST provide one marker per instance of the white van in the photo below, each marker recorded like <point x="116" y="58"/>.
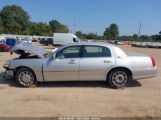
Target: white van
<point x="64" y="38"/>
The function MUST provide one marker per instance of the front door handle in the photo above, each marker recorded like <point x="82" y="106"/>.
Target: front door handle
<point x="71" y="62"/>
<point x="106" y="61"/>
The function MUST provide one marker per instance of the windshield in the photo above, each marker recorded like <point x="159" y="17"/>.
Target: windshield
<point x="47" y="54"/>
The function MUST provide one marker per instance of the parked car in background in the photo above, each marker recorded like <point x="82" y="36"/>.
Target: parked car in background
<point x="34" y="39"/>
<point x="26" y="41"/>
<point x="49" y="41"/>
<point x="115" y="42"/>
<point x="79" y="62"/>
<point x="64" y="38"/>
<point x="134" y="44"/>
<point x="12" y="41"/>
<point x="159" y="45"/>
<point x="46" y="41"/>
<point x="139" y="44"/>
<point x="146" y="44"/>
<point x="8" y="43"/>
<point x="4" y="47"/>
<point x="42" y="41"/>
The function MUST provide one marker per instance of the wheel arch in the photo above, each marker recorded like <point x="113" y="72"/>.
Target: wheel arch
<point x="19" y="67"/>
<point x="120" y="68"/>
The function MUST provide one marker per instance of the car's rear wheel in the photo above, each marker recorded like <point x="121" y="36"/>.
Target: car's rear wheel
<point x="25" y="77"/>
<point x="118" y="78"/>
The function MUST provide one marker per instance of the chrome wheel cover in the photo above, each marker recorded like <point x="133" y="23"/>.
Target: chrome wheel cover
<point x="119" y="78"/>
<point x="26" y="78"/>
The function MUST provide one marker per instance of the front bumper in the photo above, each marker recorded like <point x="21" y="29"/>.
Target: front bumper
<point x="9" y="73"/>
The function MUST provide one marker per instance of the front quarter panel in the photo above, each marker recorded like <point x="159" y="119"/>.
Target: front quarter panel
<point x="33" y="64"/>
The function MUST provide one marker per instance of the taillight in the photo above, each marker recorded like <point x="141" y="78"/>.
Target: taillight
<point x="153" y="61"/>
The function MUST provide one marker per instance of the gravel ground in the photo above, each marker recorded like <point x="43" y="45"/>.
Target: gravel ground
<point x="82" y="99"/>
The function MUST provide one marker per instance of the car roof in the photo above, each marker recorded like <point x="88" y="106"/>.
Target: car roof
<point x="92" y="43"/>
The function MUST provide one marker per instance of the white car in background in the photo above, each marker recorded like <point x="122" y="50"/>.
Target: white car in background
<point x="64" y="38"/>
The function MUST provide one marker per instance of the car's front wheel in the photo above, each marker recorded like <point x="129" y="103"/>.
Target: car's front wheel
<point x="25" y="77"/>
<point x="118" y="78"/>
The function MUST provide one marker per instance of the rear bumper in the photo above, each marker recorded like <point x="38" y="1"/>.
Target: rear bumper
<point x="145" y="73"/>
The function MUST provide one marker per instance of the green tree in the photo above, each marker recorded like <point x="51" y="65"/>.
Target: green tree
<point x="15" y="20"/>
<point x="78" y="33"/>
<point x="135" y="37"/>
<point x="156" y="37"/>
<point x="1" y="26"/>
<point x="91" y="36"/>
<point x="112" y="32"/>
<point x="160" y="32"/>
<point x="107" y="33"/>
<point x="144" y="37"/>
<point x="64" y="29"/>
<point x="57" y="27"/>
<point x="81" y="35"/>
<point x="40" y="29"/>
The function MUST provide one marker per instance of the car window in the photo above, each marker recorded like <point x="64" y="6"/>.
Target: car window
<point x="75" y="40"/>
<point x="69" y="52"/>
<point x="96" y="51"/>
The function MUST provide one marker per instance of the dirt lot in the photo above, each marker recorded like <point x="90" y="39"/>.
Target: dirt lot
<point x="82" y="99"/>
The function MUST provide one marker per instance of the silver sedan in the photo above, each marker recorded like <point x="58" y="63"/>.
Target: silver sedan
<point x="78" y="62"/>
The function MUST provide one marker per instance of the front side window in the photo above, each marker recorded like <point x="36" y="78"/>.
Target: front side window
<point x="96" y="51"/>
<point x="69" y="52"/>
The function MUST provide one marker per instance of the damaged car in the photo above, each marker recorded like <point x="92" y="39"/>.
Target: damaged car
<point x="78" y="62"/>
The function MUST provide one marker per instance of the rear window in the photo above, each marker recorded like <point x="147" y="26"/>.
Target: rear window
<point x="96" y="51"/>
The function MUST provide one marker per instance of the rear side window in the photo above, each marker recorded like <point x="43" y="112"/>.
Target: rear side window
<point x="96" y="51"/>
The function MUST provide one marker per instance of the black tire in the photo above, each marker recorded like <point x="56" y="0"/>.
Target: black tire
<point x="118" y="78"/>
<point x="25" y="78"/>
<point x="2" y="50"/>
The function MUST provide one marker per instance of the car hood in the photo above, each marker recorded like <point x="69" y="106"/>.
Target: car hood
<point x="30" y="48"/>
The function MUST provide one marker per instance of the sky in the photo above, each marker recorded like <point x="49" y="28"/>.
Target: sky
<point x="95" y="15"/>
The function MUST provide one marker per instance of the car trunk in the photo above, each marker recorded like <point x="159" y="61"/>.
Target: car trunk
<point x="141" y="60"/>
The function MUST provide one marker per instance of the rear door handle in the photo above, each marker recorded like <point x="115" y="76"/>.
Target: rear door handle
<point x="106" y="61"/>
<point x="72" y="62"/>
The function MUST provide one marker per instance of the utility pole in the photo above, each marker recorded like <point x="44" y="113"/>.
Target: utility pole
<point x="140" y="28"/>
<point x="74" y="26"/>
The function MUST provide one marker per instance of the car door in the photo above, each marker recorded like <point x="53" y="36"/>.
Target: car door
<point x="95" y="63"/>
<point x="64" y="66"/>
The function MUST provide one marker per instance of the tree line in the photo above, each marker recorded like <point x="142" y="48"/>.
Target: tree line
<point x="15" y="20"/>
<point x="112" y="33"/>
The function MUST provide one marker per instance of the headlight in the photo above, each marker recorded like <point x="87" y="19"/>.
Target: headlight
<point x="6" y="65"/>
